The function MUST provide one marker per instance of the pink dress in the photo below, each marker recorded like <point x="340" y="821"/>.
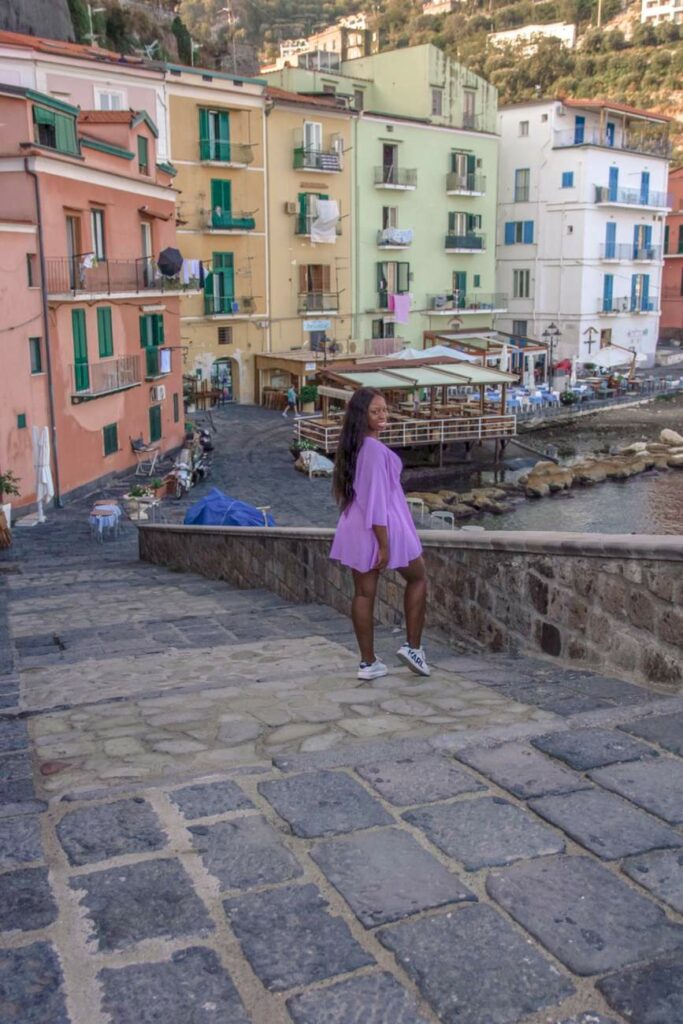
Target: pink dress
<point x="378" y="500"/>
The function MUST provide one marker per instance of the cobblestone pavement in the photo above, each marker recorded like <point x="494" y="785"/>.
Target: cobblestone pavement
<point x="206" y="819"/>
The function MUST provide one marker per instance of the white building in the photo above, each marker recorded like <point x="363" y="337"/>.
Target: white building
<point x="439" y="6"/>
<point x="530" y="34"/>
<point x="581" y="209"/>
<point x="657" y="11"/>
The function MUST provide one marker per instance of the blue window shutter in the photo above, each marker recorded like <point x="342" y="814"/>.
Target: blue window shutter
<point x="634" y="290"/>
<point x="645" y="187"/>
<point x="645" y="291"/>
<point x="610" y="240"/>
<point x="528" y="232"/>
<point x="647" y="241"/>
<point x="613" y="183"/>
<point x="579" y="129"/>
<point x="567" y="179"/>
<point x="607" y="291"/>
<point x="510" y="232"/>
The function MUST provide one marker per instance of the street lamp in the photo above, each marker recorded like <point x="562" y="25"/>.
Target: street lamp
<point x="93" y="10"/>
<point x="551" y="335"/>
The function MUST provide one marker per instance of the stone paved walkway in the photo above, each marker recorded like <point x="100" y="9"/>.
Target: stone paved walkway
<point x="206" y="819"/>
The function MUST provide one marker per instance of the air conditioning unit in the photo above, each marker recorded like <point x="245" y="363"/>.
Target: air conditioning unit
<point x="290" y="207"/>
<point x="353" y="346"/>
<point x="158" y="392"/>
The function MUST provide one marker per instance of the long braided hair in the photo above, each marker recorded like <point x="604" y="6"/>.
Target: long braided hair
<point x="353" y="433"/>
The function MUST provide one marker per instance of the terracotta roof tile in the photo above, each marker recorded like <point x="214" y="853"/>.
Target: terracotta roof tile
<point x="62" y="48"/>
<point x="105" y="116"/>
<point x="328" y="102"/>
<point x="622" y="108"/>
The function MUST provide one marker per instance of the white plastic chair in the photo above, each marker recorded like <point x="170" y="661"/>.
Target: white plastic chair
<point x="417" y="504"/>
<point x="441" y="516"/>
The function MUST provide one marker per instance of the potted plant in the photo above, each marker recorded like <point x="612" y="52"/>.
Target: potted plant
<point x="157" y="487"/>
<point x="8" y="487"/>
<point x="301" y="445"/>
<point x="307" y="397"/>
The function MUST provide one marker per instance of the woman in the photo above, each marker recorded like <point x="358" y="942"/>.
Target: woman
<point x="376" y="531"/>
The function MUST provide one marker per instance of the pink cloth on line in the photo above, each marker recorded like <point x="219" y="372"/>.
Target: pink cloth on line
<point x="400" y="306"/>
<point x="378" y="500"/>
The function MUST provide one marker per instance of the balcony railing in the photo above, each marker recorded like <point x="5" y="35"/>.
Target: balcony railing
<point x="384" y="346"/>
<point x="225" y="152"/>
<point x="628" y="304"/>
<point x="461" y="302"/>
<point x="395" y="177"/>
<point x="92" y="379"/>
<point x="475" y="241"/>
<point x="109" y="277"/>
<point x="465" y="184"/>
<point x="226" y="220"/>
<point x="394" y="238"/>
<point x="632" y="142"/>
<point x="157" y="361"/>
<point x="632" y="197"/>
<point x="318" y="302"/>
<point x="624" y="251"/>
<point x="307" y="159"/>
<point x="303" y="223"/>
<point x="228" y="305"/>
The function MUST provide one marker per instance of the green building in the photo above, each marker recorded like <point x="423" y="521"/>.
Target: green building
<point x="424" y="157"/>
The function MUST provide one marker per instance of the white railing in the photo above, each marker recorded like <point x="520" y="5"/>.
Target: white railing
<point x="406" y="433"/>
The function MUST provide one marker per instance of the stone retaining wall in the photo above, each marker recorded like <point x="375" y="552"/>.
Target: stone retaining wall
<point x="608" y="601"/>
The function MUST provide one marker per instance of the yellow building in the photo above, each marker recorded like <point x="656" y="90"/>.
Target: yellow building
<point x="309" y="235"/>
<point x="217" y="144"/>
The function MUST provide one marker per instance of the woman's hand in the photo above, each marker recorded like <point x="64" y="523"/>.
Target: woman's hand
<point x="382" y="558"/>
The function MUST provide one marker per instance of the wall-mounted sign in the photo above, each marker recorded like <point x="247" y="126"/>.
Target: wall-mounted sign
<point x="310" y="367"/>
<point x="317" y="325"/>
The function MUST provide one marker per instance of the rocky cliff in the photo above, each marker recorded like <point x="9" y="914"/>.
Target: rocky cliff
<point x="49" y="18"/>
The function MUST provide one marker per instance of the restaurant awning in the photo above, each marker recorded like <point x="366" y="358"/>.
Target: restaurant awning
<point x="408" y="378"/>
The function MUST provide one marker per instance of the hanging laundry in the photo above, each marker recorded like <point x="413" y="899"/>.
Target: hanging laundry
<point x="400" y="306"/>
<point x="324" y="227"/>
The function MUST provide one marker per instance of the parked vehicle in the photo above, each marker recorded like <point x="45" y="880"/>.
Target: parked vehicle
<point x="182" y="472"/>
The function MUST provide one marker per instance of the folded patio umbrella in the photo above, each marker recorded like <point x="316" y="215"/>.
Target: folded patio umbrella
<point x="170" y="261"/>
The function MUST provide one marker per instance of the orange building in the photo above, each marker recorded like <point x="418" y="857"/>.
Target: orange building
<point x="90" y="324"/>
<point x="671" y="324"/>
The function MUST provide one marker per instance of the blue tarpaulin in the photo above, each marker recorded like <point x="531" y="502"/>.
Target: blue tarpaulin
<point x="218" y="509"/>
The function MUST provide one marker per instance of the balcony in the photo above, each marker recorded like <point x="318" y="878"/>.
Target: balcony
<point x="318" y="302"/>
<point x="458" y="303"/>
<point x="626" y="305"/>
<point x="302" y="225"/>
<point x="109" y="277"/>
<point x="226" y="222"/>
<point x="465" y="184"/>
<point x="402" y="178"/>
<point x="605" y="196"/>
<point x="394" y="238"/>
<point x="384" y="346"/>
<point x="473" y="242"/>
<point x="325" y="160"/>
<point x="228" y="305"/>
<point x="616" y="253"/>
<point x="631" y="142"/>
<point x="231" y="154"/>
<point x="92" y="380"/>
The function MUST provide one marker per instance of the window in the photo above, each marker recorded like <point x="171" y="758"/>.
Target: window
<point x="383" y="329"/>
<point x="519" y="328"/>
<point x="105" y="337"/>
<point x="392" y="279"/>
<point x="666" y="239"/>
<point x="219" y="285"/>
<point x="681" y="280"/>
<point x="97" y="232"/>
<point x="567" y="179"/>
<point x="680" y="240"/>
<point x="389" y="217"/>
<point x="143" y="155"/>
<point x="221" y="203"/>
<point x="154" y="423"/>
<point x="522" y="180"/>
<point x="607" y="292"/>
<point x="55" y="130"/>
<point x="151" y="330"/>
<point x="519" y="231"/>
<point x="21" y="421"/>
<point x="313" y="138"/>
<point x="109" y="99"/>
<point x="579" y="130"/>
<point x="214" y="134"/>
<point x="80" y="341"/>
<point x="521" y="284"/>
<point x="225" y="335"/>
<point x="477" y="281"/>
<point x="329" y="90"/>
<point x="32" y="269"/>
<point x="469" y="106"/>
<point x="36" y="352"/>
<point x="358" y="99"/>
<point x="524" y="128"/>
<point x="110" y="438"/>
<point x="544" y="118"/>
<point x="176" y="408"/>
<point x="437" y="102"/>
<point x="315" y="283"/>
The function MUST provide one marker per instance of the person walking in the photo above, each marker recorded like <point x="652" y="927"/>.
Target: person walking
<point x="376" y="531"/>
<point x="292" y="399"/>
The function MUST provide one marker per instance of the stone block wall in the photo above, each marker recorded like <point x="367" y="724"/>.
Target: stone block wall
<point x="593" y="601"/>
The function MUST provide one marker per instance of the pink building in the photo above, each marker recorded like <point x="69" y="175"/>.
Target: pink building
<point x="91" y="336"/>
<point x="671" y="324"/>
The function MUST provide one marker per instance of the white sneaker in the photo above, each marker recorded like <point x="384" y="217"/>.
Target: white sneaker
<point x="284" y="415"/>
<point x="373" y="671"/>
<point x="414" y="658"/>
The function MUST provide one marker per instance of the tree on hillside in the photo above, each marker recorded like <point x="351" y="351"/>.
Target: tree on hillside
<point x="183" y="40"/>
<point x="79" y="19"/>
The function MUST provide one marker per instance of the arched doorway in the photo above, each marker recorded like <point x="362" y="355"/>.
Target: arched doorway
<point x="225" y="375"/>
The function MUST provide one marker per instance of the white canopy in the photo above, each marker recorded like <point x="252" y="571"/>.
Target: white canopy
<point x="615" y="355"/>
<point x="41" y="463"/>
<point x="436" y="351"/>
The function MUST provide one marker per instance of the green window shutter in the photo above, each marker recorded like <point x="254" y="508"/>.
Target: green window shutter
<point x="221" y="202"/>
<point x="105" y="337"/>
<point x="43" y="116"/>
<point x="81" y="371"/>
<point x="155" y="423"/>
<point x="176" y="408"/>
<point x="223" y="135"/>
<point x="143" y="154"/>
<point x="158" y="329"/>
<point x="471" y="163"/>
<point x="451" y="223"/>
<point x="110" y="435"/>
<point x="65" y="132"/>
<point x="204" y="143"/>
<point x="144" y="332"/>
<point x="403" y="277"/>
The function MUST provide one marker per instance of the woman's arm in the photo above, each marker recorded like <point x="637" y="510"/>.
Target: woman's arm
<point x="382" y="535"/>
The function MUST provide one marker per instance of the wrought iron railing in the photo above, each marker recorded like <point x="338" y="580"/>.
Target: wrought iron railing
<point x="308" y="159"/>
<point x="228" y="305"/>
<point x="227" y="220"/>
<point x="626" y="251"/>
<point x="318" y="302"/>
<point x="225" y="152"/>
<point x="461" y="302"/>
<point x="91" y="379"/>
<point x="109" y="277"/>
<point x="475" y="241"/>
<point x="632" y="142"/>
<point x="628" y="304"/>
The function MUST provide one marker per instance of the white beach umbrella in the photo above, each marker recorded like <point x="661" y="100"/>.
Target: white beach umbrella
<point x="572" y="374"/>
<point x="504" y="359"/>
<point x="41" y="463"/>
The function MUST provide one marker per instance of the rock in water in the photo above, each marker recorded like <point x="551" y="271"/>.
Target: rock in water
<point x="671" y="437"/>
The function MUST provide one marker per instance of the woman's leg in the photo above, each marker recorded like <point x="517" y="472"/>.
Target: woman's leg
<point x="363" y="612"/>
<point x="415" y="600"/>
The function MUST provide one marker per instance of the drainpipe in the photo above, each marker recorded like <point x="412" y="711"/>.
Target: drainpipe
<point x="46" y="332"/>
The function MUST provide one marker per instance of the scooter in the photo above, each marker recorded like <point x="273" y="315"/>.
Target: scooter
<point x="182" y="472"/>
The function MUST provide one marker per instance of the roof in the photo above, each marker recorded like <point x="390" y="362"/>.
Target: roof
<point x="61" y="48"/>
<point x="105" y="117"/>
<point x="621" y="108"/>
<point x="409" y="374"/>
<point x="273" y="92"/>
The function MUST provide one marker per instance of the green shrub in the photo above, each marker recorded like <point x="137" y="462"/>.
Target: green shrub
<point x="308" y="393"/>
